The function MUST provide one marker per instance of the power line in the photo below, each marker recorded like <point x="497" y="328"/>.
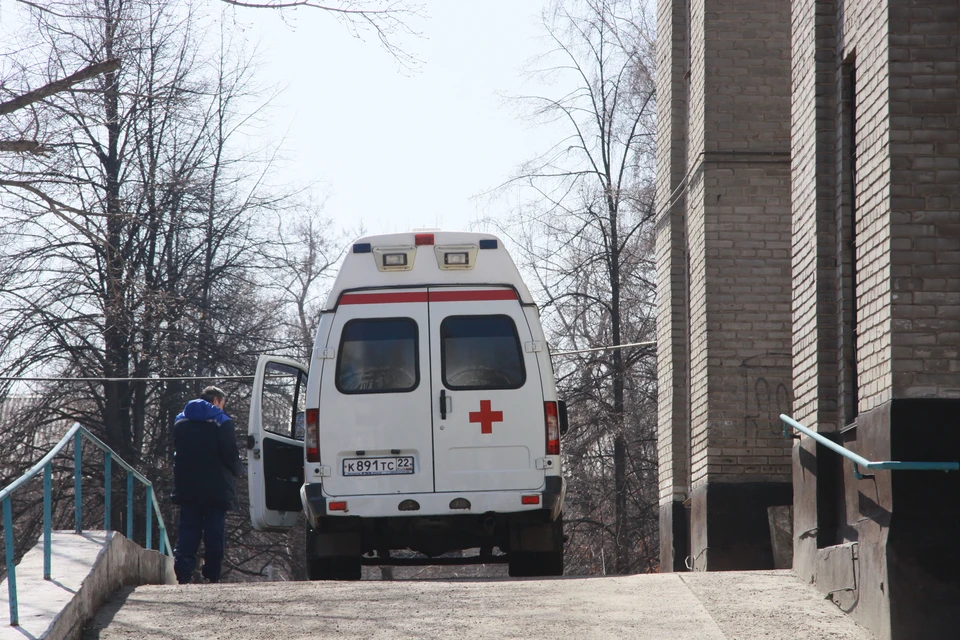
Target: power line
<point x="610" y="348"/>
<point x="179" y="378"/>
<point x="158" y="379"/>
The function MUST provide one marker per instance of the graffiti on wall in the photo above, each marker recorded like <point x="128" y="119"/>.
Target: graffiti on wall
<point x="766" y="391"/>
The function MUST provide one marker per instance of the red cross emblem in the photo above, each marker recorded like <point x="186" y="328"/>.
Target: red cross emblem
<point x="486" y="417"/>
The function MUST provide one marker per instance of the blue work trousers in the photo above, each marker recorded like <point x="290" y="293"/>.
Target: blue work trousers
<point x="198" y="522"/>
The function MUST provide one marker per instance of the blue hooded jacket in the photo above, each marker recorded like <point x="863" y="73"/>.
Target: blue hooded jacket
<point x="206" y="459"/>
<point x="202" y="411"/>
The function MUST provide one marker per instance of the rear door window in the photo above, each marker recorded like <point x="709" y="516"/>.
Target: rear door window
<point x="283" y="400"/>
<point x="481" y="352"/>
<point x="378" y="356"/>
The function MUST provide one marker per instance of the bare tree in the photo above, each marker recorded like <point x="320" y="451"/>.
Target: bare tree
<point x="133" y="250"/>
<point x="389" y="20"/>
<point x="300" y="266"/>
<point x="56" y="86"/>
<point x="584" y="229"/>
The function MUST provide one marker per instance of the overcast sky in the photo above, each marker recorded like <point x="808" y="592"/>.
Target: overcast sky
<point x="400" y="150"/>
<point x="393" y="149"/>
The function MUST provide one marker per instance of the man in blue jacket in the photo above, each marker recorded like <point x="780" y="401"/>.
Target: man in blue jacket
<point x="206" y="464"/>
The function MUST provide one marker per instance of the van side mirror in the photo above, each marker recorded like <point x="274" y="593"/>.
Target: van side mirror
<point x="562" y="415"/>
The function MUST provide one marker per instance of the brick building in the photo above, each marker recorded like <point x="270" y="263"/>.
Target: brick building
<point x="809" y="264"/>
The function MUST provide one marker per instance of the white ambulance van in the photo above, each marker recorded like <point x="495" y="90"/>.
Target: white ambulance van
<point x="427" y="420"/>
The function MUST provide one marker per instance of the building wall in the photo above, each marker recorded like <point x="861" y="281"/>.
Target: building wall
<point x="672" y="359"/>
<point x="820" y="227"/>
<point x="734" y="225"/>
<point x="924" y="129"/>
<point x="863" y="28"/>
<point x="876" y="116"/>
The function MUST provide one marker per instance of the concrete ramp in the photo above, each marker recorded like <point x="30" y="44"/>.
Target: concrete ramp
<point x="86" y="568"/>
<point x="767" y="605"/>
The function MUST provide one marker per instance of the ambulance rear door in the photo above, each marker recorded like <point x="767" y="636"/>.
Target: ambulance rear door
<point x="487" y="392"/>
<point x="275" y="443"/>
<point x="375" y="421"/>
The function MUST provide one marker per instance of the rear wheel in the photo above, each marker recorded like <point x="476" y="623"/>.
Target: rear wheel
<point x="536" y="564"/>
<point x="334" y="568"/>
<point x="531" y="564"/>
<point x="551" y="563"/>
<point x="330" y="567"/>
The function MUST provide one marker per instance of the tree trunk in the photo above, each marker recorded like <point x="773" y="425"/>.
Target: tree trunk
<point x="619" y="442"/>
<point x="116" y="322"/>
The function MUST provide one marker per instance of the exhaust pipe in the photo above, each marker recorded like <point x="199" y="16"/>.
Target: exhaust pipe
<point x="489" y="525"/>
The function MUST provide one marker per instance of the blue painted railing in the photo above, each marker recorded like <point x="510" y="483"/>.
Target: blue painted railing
<point x="76" y="434"/>
<point x="860" y="461"/>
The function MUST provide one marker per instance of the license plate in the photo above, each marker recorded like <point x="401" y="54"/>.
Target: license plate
<point x="384" y="466"/>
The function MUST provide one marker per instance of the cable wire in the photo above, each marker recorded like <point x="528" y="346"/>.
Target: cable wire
<point x="43" y="379"/>
<point x="173" y="378"/>
<point x="611" y="347"/>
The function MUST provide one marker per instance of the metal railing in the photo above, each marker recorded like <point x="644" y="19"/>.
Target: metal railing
<point x="860" y="461"/>
<point x="76" y="435"/>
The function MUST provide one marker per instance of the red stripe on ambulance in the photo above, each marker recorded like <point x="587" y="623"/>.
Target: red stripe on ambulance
<point x="383" y="298"/>
<point x="467" y="296"/>
<point x="434" y="296"/>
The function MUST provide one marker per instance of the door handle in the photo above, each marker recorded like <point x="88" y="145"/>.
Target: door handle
<point x="443" y="404"/>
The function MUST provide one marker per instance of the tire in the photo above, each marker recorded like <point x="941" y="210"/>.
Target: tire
<point x="539" y="564"/>
<point x="521" y="565"/>
<point x="551" y="563"/>
<point x="346" y="567"/>
<point x="330" y="568"/>
<point x="334" y="568"/>
<point x="319" y="569"/>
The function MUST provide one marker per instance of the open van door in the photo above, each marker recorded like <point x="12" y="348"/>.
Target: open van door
<point x="275" y="443"/>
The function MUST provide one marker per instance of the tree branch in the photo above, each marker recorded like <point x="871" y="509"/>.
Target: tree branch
<point x="59" y="85"/>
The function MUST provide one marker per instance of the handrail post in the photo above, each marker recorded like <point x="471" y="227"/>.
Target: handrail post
<point x="77" y="498"/>
<point x="149" y="502"/>
<point x="47" y="481"/>
<point x="107" y="460"/>
<point x="129" y="505"/>
<point x="11" y="565"/>
<point x="162" y="545"/>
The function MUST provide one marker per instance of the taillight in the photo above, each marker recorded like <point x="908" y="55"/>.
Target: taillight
<point x="312" y="435"/>
<point x="551" y="421"/>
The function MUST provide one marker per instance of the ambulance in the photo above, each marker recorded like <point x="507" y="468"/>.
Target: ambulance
<point x="426" y="427"/>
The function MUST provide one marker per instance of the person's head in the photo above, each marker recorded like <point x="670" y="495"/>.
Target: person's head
<point x="214" y="396"/>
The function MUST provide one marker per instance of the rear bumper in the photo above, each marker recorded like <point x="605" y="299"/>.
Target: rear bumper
<point x="435" y="504"/>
